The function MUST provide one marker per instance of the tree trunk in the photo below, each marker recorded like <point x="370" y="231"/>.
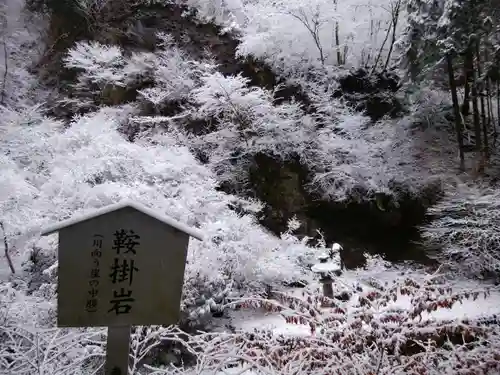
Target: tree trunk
<point x="481" y="97"/>
<point x="337" y="39"/>
<point x="456" y="111"/>
<point x="475" y="114"/>
<point x="395" y="18"/>
<point x="497" y="124"/>
<point x="489" y="105"/>
<point x="468" y="67"/>
<point x="381" y="49"/>
<point x="3" y="92"/>
<point x="337" y="42"/>
<point x="6" y="250"/>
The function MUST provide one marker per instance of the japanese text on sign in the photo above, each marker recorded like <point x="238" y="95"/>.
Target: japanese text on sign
<point x="93" y="291"/>
<point x="122" y="271"/>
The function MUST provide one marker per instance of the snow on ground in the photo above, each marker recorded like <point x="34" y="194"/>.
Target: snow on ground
<point x="239" y="370"/>
<point x="466" y="309"/>
<point x="248" y="320"/>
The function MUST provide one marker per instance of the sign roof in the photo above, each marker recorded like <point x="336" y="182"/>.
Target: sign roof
<point x="117" y="206"/>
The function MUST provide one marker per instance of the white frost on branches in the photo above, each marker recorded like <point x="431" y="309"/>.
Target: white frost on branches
<point x="466" y="230"/>
<point x="66" y="172"/>
<point x="105" y="65"/>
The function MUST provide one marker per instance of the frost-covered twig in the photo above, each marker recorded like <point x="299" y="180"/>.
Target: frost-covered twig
<point x="3" y="92"/>
<point x="25" y="351"/>
<point x="6" y="249"/>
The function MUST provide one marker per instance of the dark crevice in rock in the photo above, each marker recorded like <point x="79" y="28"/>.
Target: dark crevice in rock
<point x="378" y="225"/>
<point x="372" y="94"/>
<point x="198" y="126"/>
<point x="169" y="108"/>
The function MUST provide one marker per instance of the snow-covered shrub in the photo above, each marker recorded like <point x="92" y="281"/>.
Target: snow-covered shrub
<point x="353" y="156"/>
<point x="382" y="329"/>
<point x="66" y="172"/>
<point x="247" y="121"/>
<point x="343" y="150"/>
<point x="91" y="6"/>
<point x="429" y="106"/>
<point x="465" y="230"/>
<point x="389" y="328"/>
<point x="29" y="350"/>
<point x="228" y="13"/>
<point x="106" y="65"/>
<point x="102" y="67"/>
<point x="175" y="75"/>
<point x="30" y="345"/>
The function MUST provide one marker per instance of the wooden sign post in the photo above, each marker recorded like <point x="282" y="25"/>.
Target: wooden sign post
<point x="120" y="266"/>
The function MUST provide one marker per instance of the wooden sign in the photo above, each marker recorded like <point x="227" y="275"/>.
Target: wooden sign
<point x="120" y="266"/>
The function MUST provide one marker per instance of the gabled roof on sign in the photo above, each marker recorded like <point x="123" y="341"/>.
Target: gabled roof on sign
<point x="118" y="206"/>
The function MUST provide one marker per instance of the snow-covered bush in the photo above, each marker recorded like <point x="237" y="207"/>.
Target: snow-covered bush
<point x="465" y="230"/>
<point x="103" y="65"/>
<point x="429" y="106"/>
<point x="26" y="350"/>
<point x="345" y="152"/>
<point x="228" y="13"/>
<point x="30" y="345"/>
<point x="389" y="328"/>
<point x="99" y="63"/>
<point x="355" y="156"/>
<point x="175" y="75"/>
<point x="382" y="329"/>
<point x="66" y="172"/>
<point x="247" y="122"/>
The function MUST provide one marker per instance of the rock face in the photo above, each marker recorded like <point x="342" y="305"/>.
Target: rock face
<point x="196" y="38"/>
<point x="134" y="29"/>
<point x="373" y="94"/>
<point x="380" y="225"/>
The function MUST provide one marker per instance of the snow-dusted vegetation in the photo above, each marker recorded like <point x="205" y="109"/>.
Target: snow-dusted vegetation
<point x="276" y="128"/>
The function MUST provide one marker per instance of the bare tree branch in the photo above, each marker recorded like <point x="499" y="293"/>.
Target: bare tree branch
<point x="3" y="93"/>
<point x="313" y="30"/>
<point x="395" y="10"/>
<point x="6" y="249"/>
